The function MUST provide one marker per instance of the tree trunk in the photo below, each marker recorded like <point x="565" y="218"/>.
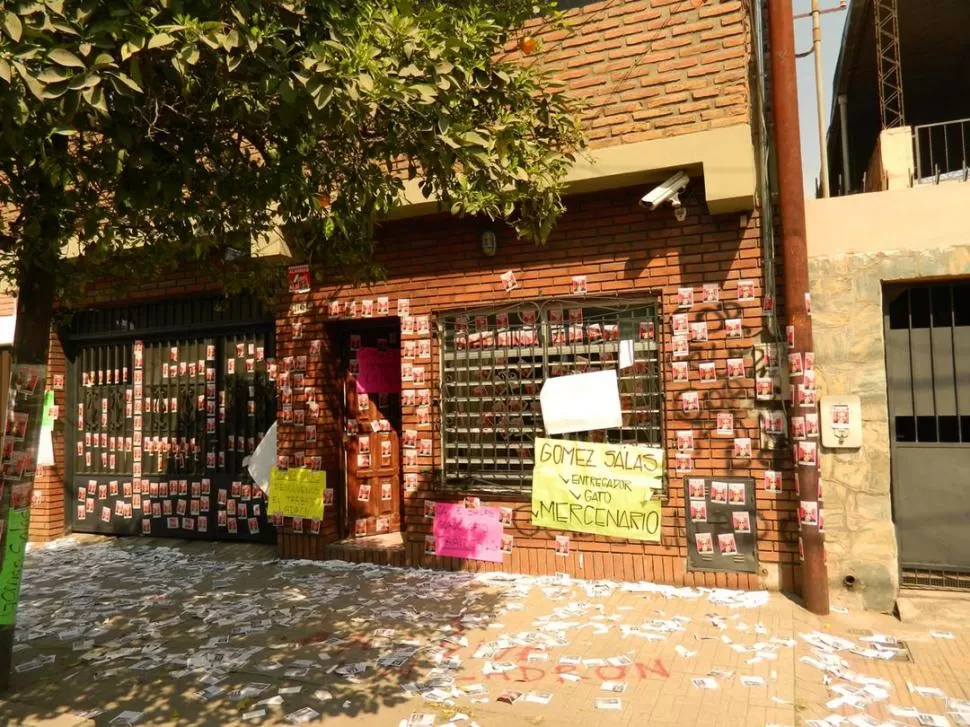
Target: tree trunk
<point x="21" y="439"/>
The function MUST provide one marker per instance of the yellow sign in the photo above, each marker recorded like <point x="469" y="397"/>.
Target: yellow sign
<point x="606" y="489"/>
<point x="297" y="492"/>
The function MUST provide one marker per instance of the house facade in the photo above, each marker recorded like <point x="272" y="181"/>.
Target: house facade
<point x="423" y="391"/>
<point x="889" y="262"/>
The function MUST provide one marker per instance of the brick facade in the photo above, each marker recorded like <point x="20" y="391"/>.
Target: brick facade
<point x="624" y="251"/>
<point x="647" y="69"/>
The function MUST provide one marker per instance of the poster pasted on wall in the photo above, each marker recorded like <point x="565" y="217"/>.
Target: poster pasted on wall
<point x="605" y="489"/>
<point x="472" y="533"/>
<point x="297" y="492"/>
<point x="18" y="525"/>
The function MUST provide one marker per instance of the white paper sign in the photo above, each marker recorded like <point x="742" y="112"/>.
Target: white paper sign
<point x="263" y="459"/>
<point x="626" y="354"/>
<point x="581" y="402"/>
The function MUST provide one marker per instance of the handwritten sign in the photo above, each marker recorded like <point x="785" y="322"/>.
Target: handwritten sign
<point x="12" y="568"/>
<point x="606" y="489"/>
<point x="461" y="532"/>
<point x="297" y="492"/>
<point x="379" y="372"/>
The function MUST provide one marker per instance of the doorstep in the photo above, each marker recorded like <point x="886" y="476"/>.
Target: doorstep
<point x="385" y="549"/>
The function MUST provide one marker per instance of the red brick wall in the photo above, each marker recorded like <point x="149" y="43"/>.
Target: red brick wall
<point x="294" y="334"/>
<point x="623" y="250"/>
<point x="8" y="305"/>
<point x="651" y="68"/>
<point x="47" y="505"/>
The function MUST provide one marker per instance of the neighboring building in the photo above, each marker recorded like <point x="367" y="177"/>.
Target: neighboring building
<point x="669" y="88"/>
<point x="890" y="267"/>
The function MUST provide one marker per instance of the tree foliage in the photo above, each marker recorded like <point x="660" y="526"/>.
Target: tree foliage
<point x="187" y="127"/>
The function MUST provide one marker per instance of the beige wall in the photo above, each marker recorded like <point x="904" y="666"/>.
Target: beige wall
<point x="856" y="244"/>
<point x="907" y="219"/>
<point x="891" y="165"/>
<point x="723" y="156"/>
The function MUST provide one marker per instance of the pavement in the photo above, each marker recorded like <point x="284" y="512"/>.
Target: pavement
<point x="159" y="632"/>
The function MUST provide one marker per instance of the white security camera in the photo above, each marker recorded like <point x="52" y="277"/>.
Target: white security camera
<point x="669" y="191"/>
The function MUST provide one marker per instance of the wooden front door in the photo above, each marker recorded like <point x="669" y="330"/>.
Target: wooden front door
<point x="372" y="421"/>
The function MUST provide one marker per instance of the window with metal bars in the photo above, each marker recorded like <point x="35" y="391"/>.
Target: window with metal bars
<point x="493" y="364"/>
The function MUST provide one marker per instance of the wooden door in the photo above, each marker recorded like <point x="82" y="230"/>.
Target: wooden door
<point x="372" y="420"/>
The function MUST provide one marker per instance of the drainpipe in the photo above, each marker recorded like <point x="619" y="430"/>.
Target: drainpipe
<point x="844" y="130"/>
<point x="765" y="202"/>
<point x="784" y="95"/>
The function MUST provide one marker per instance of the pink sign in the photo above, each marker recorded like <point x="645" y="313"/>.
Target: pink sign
<point x="379" y="372"/>
<point x="461" y="532"/>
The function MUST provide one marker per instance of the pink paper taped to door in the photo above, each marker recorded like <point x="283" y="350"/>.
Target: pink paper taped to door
<point x="460" y="532"/>
<point x="379" y="371"/>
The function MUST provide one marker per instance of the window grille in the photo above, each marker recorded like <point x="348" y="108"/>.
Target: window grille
<point x="493" y="364"/>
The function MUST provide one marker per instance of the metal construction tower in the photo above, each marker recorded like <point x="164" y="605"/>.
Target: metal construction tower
<point x="889" y="66"/>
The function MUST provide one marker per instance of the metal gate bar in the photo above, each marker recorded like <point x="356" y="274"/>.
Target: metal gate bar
<point x="494" y="362"/>
<point x="927" y="335"/>
<point x="928" y="357"/>
<point x="934" y="579"/>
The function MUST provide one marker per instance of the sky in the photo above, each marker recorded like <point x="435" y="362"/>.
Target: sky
<point x="832" y="24"/>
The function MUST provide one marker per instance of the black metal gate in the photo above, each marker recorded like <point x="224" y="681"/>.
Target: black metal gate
<point x="927" y="330"/>
<point x="170" y="398"/>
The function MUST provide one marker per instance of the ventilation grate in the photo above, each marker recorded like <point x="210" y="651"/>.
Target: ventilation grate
<point x="938" y="580"/>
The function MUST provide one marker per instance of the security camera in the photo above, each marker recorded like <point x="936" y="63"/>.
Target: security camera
<point x="669" y="191"/>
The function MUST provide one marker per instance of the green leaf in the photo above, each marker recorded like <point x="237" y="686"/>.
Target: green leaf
<point x="129" y="49"/>
<point x="287" y="91"/>
<point x="428" y="93"/>
<point x="64" y="28"/>
<point x="95" y="97"/>
<point x="79" y="82"/>
<point x="54" y="91"/>
<point x="5" y="71"/>
<point x="54" y="75"/>
<point x="160" y="41"/>
<point x="322" y="96"/>
<point x="64" y="57"/>
<point x="63" y="131"/>
<point x="13" y="26"/>
<point x="35" y="86"/>
<point x="365" y="82"/>
<point x="128" y="81"/>
<point x="231" y="40"/>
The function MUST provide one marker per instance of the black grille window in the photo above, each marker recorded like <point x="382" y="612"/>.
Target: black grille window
<point x="493" y="364"/>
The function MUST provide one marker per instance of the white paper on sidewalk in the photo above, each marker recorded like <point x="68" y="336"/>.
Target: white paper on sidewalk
<point x="581" y="402"/>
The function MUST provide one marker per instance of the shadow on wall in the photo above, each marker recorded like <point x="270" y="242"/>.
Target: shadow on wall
<point x="606" y="235"/>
